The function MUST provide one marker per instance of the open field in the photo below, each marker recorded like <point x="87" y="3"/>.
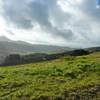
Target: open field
<point x="67" y="78"/>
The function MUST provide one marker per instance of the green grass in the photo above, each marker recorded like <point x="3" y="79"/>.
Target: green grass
<point x="74" y="78"/>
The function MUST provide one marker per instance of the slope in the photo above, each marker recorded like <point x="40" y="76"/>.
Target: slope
<point x="67" y="78"/>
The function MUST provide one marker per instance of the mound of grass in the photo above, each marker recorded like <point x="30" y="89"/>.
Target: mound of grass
<point x="67" y="78"/>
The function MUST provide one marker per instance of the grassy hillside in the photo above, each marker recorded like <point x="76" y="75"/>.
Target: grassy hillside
<point x="74" y="78"/>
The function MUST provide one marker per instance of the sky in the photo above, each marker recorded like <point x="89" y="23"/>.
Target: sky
<point x="74" y="23"/>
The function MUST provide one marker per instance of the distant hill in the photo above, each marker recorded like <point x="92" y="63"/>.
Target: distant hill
<point x="3" y="38"/>
<point x="8" y="46"/>
<point x="93" y="49"/>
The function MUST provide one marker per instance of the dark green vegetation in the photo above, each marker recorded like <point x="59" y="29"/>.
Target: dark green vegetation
<point x="16" y="59"/>
<point x="66" y="78"/>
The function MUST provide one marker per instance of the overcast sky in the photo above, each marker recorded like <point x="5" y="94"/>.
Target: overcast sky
<point x="73" y="23"/>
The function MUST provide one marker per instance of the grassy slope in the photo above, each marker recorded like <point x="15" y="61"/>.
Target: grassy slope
<point x="74" y="78"/>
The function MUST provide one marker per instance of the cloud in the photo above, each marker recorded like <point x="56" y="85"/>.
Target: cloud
<point x="35" y="12"/>
<point x="71" y="22"/>
<point x="25" y="14"/>
<point x="89" y="8"/>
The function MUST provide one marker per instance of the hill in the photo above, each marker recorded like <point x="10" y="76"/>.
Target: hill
<point x="8" y="46"/>
<point x="66" y="78"/>
<point x="23" y="47"/>
<point x="93" y="49"/>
